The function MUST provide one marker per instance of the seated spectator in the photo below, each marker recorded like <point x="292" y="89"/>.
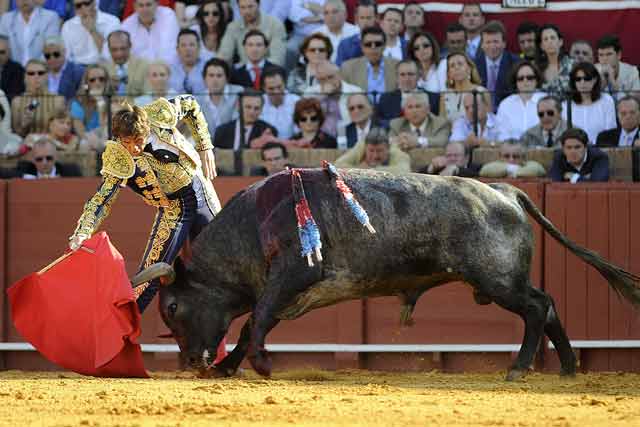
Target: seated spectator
<point x="455" y="162"/>
<point x="391" y="23"/>
<point x="220" y="104"/>
<point x="413" y="19"/>
<point x="11" y="72"/>
<point x="618" y="78"/>
<point x="31" y="111"/>
<point x="547" y="133"/>
<point x="626" y="134"/>
<point x="419" y="127"/>
<point x="455" y="41"/>
<point x="185" y="12"/>
<point x="156" y="83"/>
<point x="85" y="34"/>
<point x="375" y="152"/>
<point x="577" y="161"/>
<point x="279" y="9"/>
<point x="526" y="34"/>
<point x="335" y="26"/>
<point x="228" y="135"/>
<point x="315" y="49"/>
<point x="306" y="19"/>
<point x="361" y="114"/>
<point x="60" y="132"/>
<point x="274" y="159"/>
<point x="9" y="142"/>
<point x="278" y="103"/>
<point x="488" y="126"/>
<point x="366" y="14"/>
<point x="308" y="116"/>
<point x="64" y="75"/>
<point x="472" y="19"/>
<point x="128" y="73"/>
<point x="423" y="49"/>
<point x="591" y="110"/>
<point x="57" y="6"/>
<point x="255" y="45"/>
<point x="90" y="100"/>
<point x="518" y="112"/>
<point x="554" y="64"/>
<point x="186" y="72"/>
<point x="43" y="163"/>
<point x="512" y="164"/>
<point x="462" y="77"/>
<point x="581" y="51"/>
<point x="27" y="27"/>
<point x="210" y="26"/>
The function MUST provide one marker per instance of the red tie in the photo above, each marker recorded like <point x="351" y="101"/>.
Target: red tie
<point x="256" y="82"/>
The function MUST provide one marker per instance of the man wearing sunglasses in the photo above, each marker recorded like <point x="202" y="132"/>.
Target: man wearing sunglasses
<point x="64" y="76"/>
<point x="43" y="164"/>
<point x="85" y="34"/>
<point x="546" y="134"/>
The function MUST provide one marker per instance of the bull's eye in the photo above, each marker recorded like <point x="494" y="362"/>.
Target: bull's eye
<point x="171" y="310"/>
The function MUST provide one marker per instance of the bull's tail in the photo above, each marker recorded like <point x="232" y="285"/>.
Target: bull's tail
<point x="623" y="282"/>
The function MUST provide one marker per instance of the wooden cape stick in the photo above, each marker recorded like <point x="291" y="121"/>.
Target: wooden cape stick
<point x="62" y="258"/>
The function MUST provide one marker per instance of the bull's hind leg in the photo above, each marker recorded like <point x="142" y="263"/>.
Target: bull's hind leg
<point x="556" y="333"/>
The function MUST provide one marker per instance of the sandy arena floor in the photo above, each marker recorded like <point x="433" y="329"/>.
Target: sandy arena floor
<point x="319" y="398"/>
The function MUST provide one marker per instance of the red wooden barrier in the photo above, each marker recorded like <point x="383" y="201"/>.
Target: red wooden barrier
<point x="3" y="265"/>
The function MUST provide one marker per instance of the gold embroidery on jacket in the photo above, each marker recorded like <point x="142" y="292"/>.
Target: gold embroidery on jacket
<point x="117" y="161"/>
<point x="98" y="207"/>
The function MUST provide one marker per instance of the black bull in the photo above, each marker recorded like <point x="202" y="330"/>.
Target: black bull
<point x="430" y="231"/>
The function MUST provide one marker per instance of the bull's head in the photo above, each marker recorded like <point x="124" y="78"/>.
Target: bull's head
<point x="196" y="314"/>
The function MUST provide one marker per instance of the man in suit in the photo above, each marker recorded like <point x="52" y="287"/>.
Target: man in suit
<point x="128" y="73"/>
<point x="44" y="165"/>
<point x="390" y="105"/>
<point x="455" y="162"/>
<point x="365" y="16"/>
<point x="372" y="72"/>
<point x="186" y="72"/>
<point x="547" y="133"/>
<point x="617" y="76"/>
<point x="494" y="62"/>
<point x="577" y="161"/>
<point x="12" y="76"/>
<point x="391" y="24"/>
<point x="625" y="135"/>
<point x="419" y="127"/>
<point x="228" y="135"/>
<point x="255" y="45"/>
<point x="361" y="114"/>
<point x="64" y="76"/>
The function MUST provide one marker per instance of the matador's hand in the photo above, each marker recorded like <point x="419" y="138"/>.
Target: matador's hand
<point x="208" y="164"/>
<point x="75" y="242"/>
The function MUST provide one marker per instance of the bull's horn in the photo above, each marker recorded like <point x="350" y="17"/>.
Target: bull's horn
<point x="159" y="269"/>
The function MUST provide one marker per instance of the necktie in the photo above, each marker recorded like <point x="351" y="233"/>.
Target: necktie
<point x="628" y="140"/>
<point x="493" y="76"/>
<point x="550" y="139"/>
<point x="418" y="133"/>
<point x="256" y="81"/>
<point x="122" y="79"/>
<point x="187" y="85"/>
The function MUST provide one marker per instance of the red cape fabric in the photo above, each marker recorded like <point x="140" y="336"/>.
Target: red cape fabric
<point x="81" y="314"/>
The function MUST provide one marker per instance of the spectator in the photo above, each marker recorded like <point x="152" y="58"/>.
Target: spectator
<point x="390" y="105"/>
<point x="157" y="84"/>
<point x="5" y="108"/>
<point x="249" y="75"/>
<point x="9" y="142"/>
<point x="494" y="63"/>
<point x="128" y="72"/>
<point x="512" y="164"/>
<point x="626" y="134"/>
<point x="278" y="104"/>
<point x="372" y="72"/>
<point x="526" y="34"/>
<point x="154" y="31"/>
<point x="335" y="26"/>
<point x="186" y="73"/>
<point x="518" y="112"/>
<point x="419" y="127"/>
<point x="547" y="133"/>
<point x="60" y="132"/>
<point x="488" y="127"/>
<point x="12" y="73"/>
<point x="31" y="111"/>
<point x="274" y="159"/>
<point x="462" y="77"/>
<point x="618" y="78"/>
<point x="455" y="42"/>
<point x="361" y="114"/>
<point x="64" y="76"/>
<point x="552" y="61"/>
<point x="455" y="162"/>
<point x="91" y="100"/>
<point x="27" y="27"/>
<point x="43" y="163"/>
<point x="210" y="26"/>
<point x="84" y="34"/>
<point x="332" y="92"/>
<point x="308" y="116"/>
<point x="581" y="51"/>
<point x="253" y="19"/>
<point x="306" y="19"/>
<point x="472" y="19"/>
<point x="57" y="6"/>
<point x="220" y="104"/>
<point x="228" y="135"/>
<point x="315" y="49"/>
<point x="279" y="9"/>
<point x="577" y="161"/>
<point x="413" y="19"/>
<point x="391" y="24"/>
<point x="366" y="14"/>
<point x="424" y="50"/>
<point x="591" y="110"/>
<point x="375" y="152"/>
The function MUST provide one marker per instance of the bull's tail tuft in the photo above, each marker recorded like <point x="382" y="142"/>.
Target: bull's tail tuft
<point x="624" y="283"/>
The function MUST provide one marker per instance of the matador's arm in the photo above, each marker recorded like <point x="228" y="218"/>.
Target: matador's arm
<point x="189" y="110"/>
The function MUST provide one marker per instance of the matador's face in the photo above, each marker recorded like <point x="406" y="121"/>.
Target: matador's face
<point x="134" y="144"/>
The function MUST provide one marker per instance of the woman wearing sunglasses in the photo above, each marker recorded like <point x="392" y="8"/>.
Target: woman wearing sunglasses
<point x="211" y="23"/>
<point x="90" y="100"/>
<point x="309" y="117"/>
<point x="315" y="49"/>
<point x="518" y="112"/>
<point x="424" y="50"/>
<point x="591" y="110"/>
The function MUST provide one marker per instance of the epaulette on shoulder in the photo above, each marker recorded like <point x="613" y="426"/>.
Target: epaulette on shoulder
<point x="161" y="113"/>
<point x="117" y="161"/>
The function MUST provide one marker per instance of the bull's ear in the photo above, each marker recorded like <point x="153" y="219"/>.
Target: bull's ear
<point x="180" y="267"/>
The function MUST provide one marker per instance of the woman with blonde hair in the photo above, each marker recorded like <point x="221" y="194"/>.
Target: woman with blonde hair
<point x="91" y="99"/>
<point x="462" y="77"/>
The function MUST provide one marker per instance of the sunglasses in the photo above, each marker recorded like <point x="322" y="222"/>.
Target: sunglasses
<point x="309" y="119"/>
<point x="584" y="79"/>
<point x="421" y="46"/>
<point x="55" y="54"/>
<point x="100" y="79"/>
<point x="317" y="49"/>
<point x="356" y="107"/>
<point x="373" y="44"/>
<point x="43" y="158"/>
<point x="82" y="4"/>
<point x="212" y="13"/>
<point x="549" y="113"/>
<point x="39" y="73"/>
<point x="529" y="77"/>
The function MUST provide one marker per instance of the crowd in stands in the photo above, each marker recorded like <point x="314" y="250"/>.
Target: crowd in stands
<point x="294" y="74"/>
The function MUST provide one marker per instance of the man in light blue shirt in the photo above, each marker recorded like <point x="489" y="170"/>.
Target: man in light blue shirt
<point x="278" y="106"/>
<point x="186" y="74"/>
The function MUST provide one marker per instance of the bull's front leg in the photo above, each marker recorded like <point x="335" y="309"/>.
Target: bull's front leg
<point x="229" y="365"/>
<point x="263" y="318"/>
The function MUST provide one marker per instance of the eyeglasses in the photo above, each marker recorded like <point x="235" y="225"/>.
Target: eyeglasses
<point x="101" y="79"/>
<point x="549" y="113"/>
<point x="529" y="77"/>
<point x="39" y="73"/>
<point x="357" y="107"/>
<point x="56" y="54"/>
<point x="421" y="46"/>
<point x="584" y="78"/>
<point x="81" y="4"/>
<point x="43" y="158"/>
<point x="317" y="49"/>
<point x="373" y="44"/>
<point x="212" y="13"/>
<point x="309" y="119"/>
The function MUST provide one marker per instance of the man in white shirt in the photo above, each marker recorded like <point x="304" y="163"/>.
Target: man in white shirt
<point x="618" y="78"/>
<point x="307" y="18"/>
<point x="335" y="26"/>
<point x="391" y="24"/>
<point x="472" y="19"/>
<point x="413" y="19"/>
<point x="153" y="30"/>
<point x="219" y="105"/>
<point x="186" y="72"/>
<point x="85" y="34"/>
<point x="486" y="131"/>
<point x="278" y="106"/>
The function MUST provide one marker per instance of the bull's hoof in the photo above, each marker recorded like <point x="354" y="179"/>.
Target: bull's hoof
<point x="516" y="374"/>
<point x="213" y="373"/>
<point x="261" y="363"/>
<point x="568" y="373"/>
